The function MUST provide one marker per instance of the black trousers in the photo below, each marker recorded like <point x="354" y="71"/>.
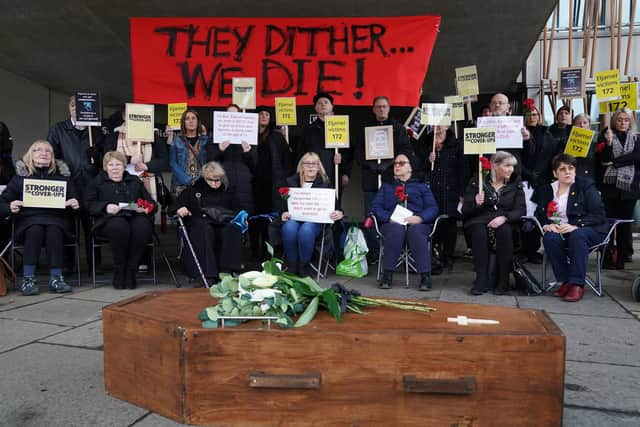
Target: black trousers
<point x="217" y="247"/>
<point x="259" y="235"/>
<point x="504" y="254"/>
<point x="128" y="237"/>
<point x="51" y="236"/>
<point x="446" y="236"/>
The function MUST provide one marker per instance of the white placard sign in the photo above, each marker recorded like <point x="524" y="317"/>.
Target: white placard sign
<point x="235" y="127"/>
<point x="436" y="114"/>
<point x="508" y="130"/>
<point x="311" y="204"/>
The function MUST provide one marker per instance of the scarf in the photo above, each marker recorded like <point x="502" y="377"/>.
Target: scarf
<point x="623" y="176"/>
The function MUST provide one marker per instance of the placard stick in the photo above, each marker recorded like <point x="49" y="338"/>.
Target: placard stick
<point x="612" y="13"/>
<point x="618" y="42"/>
<point x="455" y="128"/>
<point x="286" y="133"/>
<point x="336" y="167"/>
<point x="586" y="28"/>
<point x="553" y="30"/>
<point x="433" y="150"/>
<point x="90" y="142"/>
<point x="542" y="95"/>
<point x="544" y="49"/>
<point x="594" y="43"/>
<point x="469" y="112"/>
<point x="379" y="176"/>
<point x="570" y="31"/>
<point x="630" y="36"/>
<point x="480" y="183"/>
<point x="554" y="100"/>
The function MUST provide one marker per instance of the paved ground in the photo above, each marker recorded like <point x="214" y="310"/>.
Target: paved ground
<point x="51" y="359"/>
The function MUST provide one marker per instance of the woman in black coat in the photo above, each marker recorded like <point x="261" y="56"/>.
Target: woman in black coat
<point x="206" y="208"/>
<point x="122" y="210"/>
<point x="34" y="225"/>
<point x="491" y="217"/>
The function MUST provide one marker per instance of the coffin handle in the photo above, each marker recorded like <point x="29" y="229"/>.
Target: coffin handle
<point x="458" y="386"/>
<point x="301" y="381"/>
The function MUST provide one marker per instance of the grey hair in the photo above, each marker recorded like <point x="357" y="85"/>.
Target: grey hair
<point x="633" y="126"/>
<point x="215" y="169"/>
<point x="499" y="158"/>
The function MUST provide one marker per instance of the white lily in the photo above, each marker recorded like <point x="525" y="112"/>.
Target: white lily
<point x="259" y="279"/>
<point x="260" y="294"/>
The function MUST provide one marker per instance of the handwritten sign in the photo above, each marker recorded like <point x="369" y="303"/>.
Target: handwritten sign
<point x="244" y="92"/>
<point x="174" y="114"/>
<point x="436" y="114"/>
<point x="235" y="128"/>
<point x="139" y="121"/>
<point x="378" y="142"/>
<point x="467" y="81"/>
<point x="479" y="140"/>
<point x="571" y="82"/>
<point x="508" y="130"/>
<point x="579" y="142"/>
<point x="414" y="123"/>
<point x="311" y="204"/>
<point x="352" y="58"/>
<point x="628" y="99"/>
<point x="44" y="193"/>
<point x="457" y="107"/>
<point x="88" y="108"/>
<point x="607" y="85"/>
<point x="286" y="111"/>
<point x="336" y="132"/>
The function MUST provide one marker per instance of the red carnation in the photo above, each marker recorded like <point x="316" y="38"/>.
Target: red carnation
<point x="284" y="192"/>
<point x="400" y="194"/>
<point x="144" y="204"/>
<point x="486" y="164"/>
<point x="600" y="147"/>
<point x="529" y="103"/>
<point x="552" y="209"/>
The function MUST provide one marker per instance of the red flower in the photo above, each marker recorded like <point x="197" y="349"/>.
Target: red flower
<point x="528" y="104"/>
<point x="552" y="209"/>
<point x="410" y="132"/>
<point x="600" y="147"/>
<point x="144" y="204"/>
<point x="400" y="194"/>
<point x="284" y="192"/>
<point x="486" y="164"/>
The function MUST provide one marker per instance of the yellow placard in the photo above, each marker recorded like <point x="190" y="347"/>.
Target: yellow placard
<point x="628" y="99"/>
<point x="44" y="193"/>
<point x="579" y="142"/>
<point x="479" y="140"/>
<point x="286" y="111"/>
<point x="457" y="107"/>
<point x="139" y="122"/>
<point x="336" y="132"/>
<point x="244" y="92"/>
<point x="467" y="81"/>
<point x="607" y="85"/>
<point x="174" y="114"/>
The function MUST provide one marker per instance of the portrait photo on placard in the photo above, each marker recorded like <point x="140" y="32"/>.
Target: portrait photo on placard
<point x="378" y="142"/>
<point x="413" y="123"/>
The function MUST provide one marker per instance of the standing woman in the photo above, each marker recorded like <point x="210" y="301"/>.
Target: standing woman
<point x="37" y="225"/>
<point x="620" y="160"/>
<point x="586" y="166"/>
<point x="188" y="152"/>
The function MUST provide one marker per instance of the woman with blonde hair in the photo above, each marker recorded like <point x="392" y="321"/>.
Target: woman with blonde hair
<point x="298" y="238"/>
<point x="35" y="225"/>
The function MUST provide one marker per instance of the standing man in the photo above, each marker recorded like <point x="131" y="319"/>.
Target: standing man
<point x="561" y="129"/>
<point x="371" y="170"/>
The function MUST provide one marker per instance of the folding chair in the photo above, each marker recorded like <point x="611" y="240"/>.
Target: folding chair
<point x="17" y="248"/>
<point x="599" y="249"/>
<point x="405" y="256"/>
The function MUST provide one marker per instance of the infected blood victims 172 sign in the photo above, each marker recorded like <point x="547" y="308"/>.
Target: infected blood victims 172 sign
<point x="354" y="59"/>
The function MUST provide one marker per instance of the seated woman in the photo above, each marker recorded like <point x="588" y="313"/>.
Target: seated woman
<point x="35" y="226"/>
<point x="207" y="206"/>
<point x="122" y="209"/>
<point x="416" y="197"/>
<point x="490" y="216"/>
<point x="298" y="238"/>
<point x="573" y="218"/>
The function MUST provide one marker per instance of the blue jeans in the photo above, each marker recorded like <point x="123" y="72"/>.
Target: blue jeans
<point x="575" y="246"/>
<point x="298" y="239"/>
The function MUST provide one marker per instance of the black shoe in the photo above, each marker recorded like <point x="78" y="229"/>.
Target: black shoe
<point x="386" y="280"/>
<point x="118" y="278"/>
<point x="29" y="286"/>
<point x="476" y="291"/>
<point x="425" y="282"/>
<point x="130" y="278"/>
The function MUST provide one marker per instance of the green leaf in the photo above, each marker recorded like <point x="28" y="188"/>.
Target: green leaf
<point x="217" y="292"/>
<point x="271" y="267"/>
<point x="203" y="316"/>
<point x="227" y="304"/>
<point x="229" y="284"/>
<point x="312" y="284"/>
<point x="309" y="313"/>
<point x="212" y="313"/>
<point x="209" y="324"/>
<point x="331" y="300"/>
<point x="269" y="249"/>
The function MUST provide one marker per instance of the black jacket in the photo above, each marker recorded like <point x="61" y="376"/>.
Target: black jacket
<point x="584" y="205"/>
<point x="30" y="216"/>
<point x="610" y="191"/>
<point x="537" y="153"/>
<point x="103" y="191"/>
<point x="370" y="168"/>
<point x="201" y="195"/>
<point x="508" y="202"/>
<point x="159" y="155"/>
<point x="271" y="171"/>
<point x="239" y="168"/>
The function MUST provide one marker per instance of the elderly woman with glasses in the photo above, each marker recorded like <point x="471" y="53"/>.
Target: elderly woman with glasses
<point x="206" y="207"/>
<point x="415" y="196"/>
<point x="122" y="210"/>
<point x="298" y="238"/>
<point x="34" y="225"/>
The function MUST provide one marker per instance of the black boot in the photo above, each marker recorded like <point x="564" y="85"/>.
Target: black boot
<point x="118" y="277"/>
<point x="386" y="280"/>
<point x="479" y="285"/>
<point x="130" y="278"/>
<point x="425" y="282"/>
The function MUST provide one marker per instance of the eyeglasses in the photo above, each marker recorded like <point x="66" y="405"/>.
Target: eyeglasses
<point x="310" y="164"/>
<point x="400" y="163"/>
<point x="213" y="180"/>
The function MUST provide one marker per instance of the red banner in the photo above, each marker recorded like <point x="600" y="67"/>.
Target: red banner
<point x="354" y="59"/>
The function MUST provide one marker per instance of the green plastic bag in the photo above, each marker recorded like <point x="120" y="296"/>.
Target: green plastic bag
<point x="355" y="255"/>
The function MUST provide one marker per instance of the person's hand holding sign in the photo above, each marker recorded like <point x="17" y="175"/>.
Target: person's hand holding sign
<point x="480" y="199"/>
<point x="182" y="212"/>
<point x="432" y="157"/>
<point x="15" y="206"/>
<point x="336" y="215"/>
<point x="246" y="147"/>
<point x="526" y="135"/>
<point x="337" y="158"/>
<point x="112" y="209"/>
<point x="224" y="145"/>
<point x="72" y="203"/>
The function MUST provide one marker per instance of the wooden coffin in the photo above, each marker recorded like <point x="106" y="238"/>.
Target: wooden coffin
<point x="387" y="368"/>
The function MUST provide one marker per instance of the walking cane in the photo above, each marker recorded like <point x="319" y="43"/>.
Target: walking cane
<point x="193" y="253"/>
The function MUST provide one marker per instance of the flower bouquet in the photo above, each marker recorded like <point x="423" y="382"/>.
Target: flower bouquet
<point x="292" y="300"/>
<point x="140" y="203"/>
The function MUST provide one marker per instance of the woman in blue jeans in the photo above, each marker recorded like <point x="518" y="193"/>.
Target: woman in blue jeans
<point x="298" y="238"/>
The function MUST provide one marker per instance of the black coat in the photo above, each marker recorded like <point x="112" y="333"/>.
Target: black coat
<point x="103" y="191"/>
<point x="584" y="205"/>
<point x="30" y="216"/>
<point x="508" y="202"/>
<point x="159" y="155"/>
<point x="370" y="168"/>
<point x="239" y="168"/>
<point x="610" y="191"/>
<point x="537" y="153"/>
<point x="201" y="195"/>
<point x="271" y="171"/>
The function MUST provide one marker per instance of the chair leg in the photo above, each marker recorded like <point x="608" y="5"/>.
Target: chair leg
<point x="77" y="249"/>
<point x="153" y="264"/>
<point x="320" y="256"/>
<point x="93" y="262"/>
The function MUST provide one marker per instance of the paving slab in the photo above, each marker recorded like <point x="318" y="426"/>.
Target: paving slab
<point x="50" y="385"/>
<point x="603" y="386"/>
<point x="576" y="417"/>
<point x="601" y="339"/>
<point x="590" y="304"/>
<point x="155" y="420"/>
<point x="59" y="311"/>
<point x="109" y="295"/>
<point x="14" y="333"/>
<point x="15" y="299"/>
<point x="86" y="336"/>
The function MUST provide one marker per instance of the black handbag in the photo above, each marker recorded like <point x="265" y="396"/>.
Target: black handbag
<point x="219" y="215"/>
<point x="525" y="281"/>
